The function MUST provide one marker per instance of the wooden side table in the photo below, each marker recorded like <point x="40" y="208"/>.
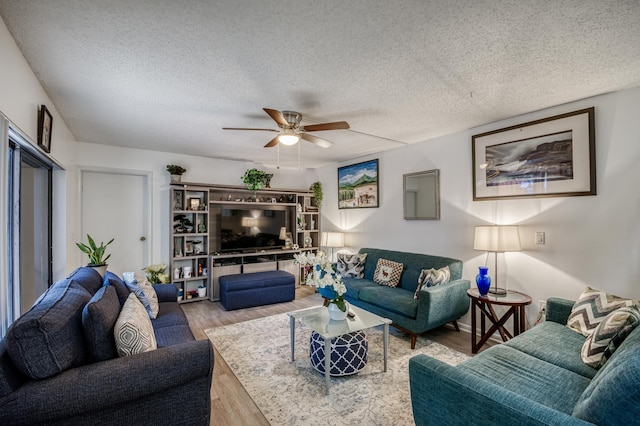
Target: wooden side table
<point x="516" y="302"/>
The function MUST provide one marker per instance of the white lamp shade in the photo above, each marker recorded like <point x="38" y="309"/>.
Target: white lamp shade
<point x="283" y="233"/>
<point x="497" y="238"/>
<point x="332" y="239"/>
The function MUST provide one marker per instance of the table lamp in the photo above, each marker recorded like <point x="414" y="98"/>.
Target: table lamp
<point x="332" y="240"/>
<point x="497" y="239"/>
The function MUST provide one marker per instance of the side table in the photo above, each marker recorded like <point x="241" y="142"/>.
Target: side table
<point x="516" y="302"/>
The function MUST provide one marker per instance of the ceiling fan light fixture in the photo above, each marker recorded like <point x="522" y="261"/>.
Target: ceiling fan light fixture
<point x="289" y="137"/>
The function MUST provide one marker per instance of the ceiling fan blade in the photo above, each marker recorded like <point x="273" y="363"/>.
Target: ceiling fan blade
<point x="277" y="117"/>
<point x="249" y="128"/>
<point x="314" y="139"/>
<point x="338" y="125"/>
<point x="272" y="143"/>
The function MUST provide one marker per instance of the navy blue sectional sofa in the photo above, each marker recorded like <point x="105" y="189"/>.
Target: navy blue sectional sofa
<point x="50" y="373"/>
<point x="536" y="378"/>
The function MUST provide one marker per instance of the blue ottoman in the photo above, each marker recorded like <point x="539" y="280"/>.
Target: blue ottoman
<point x="256" y="289"/>
<point x="348" y="353"/>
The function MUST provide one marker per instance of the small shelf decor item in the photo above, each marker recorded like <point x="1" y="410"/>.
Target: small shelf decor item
<point x="45" y="124"/>
<point x="322" y="275"/>
<point x="176" y="172"/>
<point x="358" y="185"/>
<point x="97" y="258"/>
<point x="316" y="187"/>
<point x="552" y="157"/>
<point x="255" y="179"/>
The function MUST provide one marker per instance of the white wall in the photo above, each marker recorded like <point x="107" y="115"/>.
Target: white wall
<point x="590" y="240"/>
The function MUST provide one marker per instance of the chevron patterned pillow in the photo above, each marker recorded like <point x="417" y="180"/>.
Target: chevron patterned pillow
<point x="591" y="308"/>
<point x="432" y="277"/>
<point x="609" y="335"/>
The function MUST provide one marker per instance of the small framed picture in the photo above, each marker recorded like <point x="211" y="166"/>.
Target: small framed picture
<point x="273" y="200"/>
<point x="194" y="203"/>
<point x="45" y="123"/>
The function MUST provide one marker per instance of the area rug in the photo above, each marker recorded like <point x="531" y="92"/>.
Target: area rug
<point x="293" y="393"/>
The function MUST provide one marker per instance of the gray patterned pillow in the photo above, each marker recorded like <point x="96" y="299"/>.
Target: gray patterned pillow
<point x="351" y="265"/>
<point x="609" y="335"/>
<point x="432" y="277"/>
<point x="143" y="289"/>
<point x="133" y="331"/>
<point x="591" y="308"/>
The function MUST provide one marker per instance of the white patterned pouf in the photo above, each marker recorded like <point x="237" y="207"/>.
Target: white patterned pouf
<point x="348" y="353"/>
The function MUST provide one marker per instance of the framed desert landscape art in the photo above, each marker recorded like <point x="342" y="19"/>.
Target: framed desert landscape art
<point x="358" y="185"/>
<point x="552" y="157"/>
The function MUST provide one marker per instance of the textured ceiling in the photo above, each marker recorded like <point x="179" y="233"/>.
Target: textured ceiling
<point x="168" y="75"/>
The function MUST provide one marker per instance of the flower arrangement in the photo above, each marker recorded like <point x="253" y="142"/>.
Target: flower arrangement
<point x="322" y="275"/>
<point x="155" y="273"/>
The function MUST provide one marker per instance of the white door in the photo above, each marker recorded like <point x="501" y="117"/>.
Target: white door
<point x="115" y="205"/>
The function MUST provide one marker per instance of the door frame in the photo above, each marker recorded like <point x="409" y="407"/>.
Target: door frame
<point x="148" y="175"/>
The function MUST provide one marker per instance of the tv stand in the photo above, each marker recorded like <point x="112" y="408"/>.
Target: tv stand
<point x="196" y="240"/>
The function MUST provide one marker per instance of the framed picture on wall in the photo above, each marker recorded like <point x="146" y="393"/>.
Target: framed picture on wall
<point x="552" y="157"/>
<point x="358" y="185"/>
<point x="45" y="123"/>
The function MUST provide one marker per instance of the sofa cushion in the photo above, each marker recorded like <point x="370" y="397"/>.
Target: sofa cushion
<point x="169" y="314"/>
<point x="88" y="278"/>
<point x="391" y="299"/>
<point x="142" y="288"/>
<point x="121" y="288"/>
<point x="354" y="285"/>
<point x="565" y="345"/>
<point x="133" y="331"/>
<point x="432" y="277"/>
<point x="387" y="272"/>
<point x="98" y="320"/>
<point x="528" y="376"/>
<point x="609" y="335"/>
<point x="591" y="308"/>
<point x="173" y="335"/>
<point x="351" y="265"/>
<point x="48" y="339"/>
<point x="613" y="394"/>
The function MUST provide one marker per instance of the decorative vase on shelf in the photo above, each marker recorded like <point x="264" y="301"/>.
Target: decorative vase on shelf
<point x="335" y="313"/>
<point x="483" y="280"/>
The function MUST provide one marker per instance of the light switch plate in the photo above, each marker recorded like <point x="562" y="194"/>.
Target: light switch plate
<point x="540" y="238"/>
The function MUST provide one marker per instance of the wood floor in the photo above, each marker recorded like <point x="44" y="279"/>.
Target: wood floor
<point x="230" y="403"/>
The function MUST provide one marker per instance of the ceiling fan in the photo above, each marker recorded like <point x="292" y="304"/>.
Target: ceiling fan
<point x="291" y="131"/>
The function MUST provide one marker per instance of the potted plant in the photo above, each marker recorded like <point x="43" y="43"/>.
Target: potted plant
<point x="97" y="258"/>
<point x="156" y="274"/>
<point x="316" y="187"/>
<point x="176" y="172"/>
<point x="255" y="179"/>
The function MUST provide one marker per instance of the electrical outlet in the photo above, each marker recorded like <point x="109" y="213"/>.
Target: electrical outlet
<point x="540" y="238"/>
<point x="542" y="306"/>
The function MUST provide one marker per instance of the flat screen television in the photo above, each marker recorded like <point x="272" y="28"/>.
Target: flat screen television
<point x="251" y="229"/>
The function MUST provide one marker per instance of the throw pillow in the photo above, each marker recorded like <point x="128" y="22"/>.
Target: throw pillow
<point x="133" y="331"/>
<point x="48" y="339"/>
<point x="121" y="288"/>
<point x="591" y="308"/>
<point x="609" y="335"/>
<point x="432" y="277"/>
<point x="388" y="272"/>
<point x="98" y="320"/>
<point x="351" y="265"/>
<point x="143" y="289"/>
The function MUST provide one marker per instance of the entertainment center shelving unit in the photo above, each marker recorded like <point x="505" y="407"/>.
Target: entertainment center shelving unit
<point x="195" y="235"/>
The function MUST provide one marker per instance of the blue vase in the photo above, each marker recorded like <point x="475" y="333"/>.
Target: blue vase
<point x="483" y="280"/>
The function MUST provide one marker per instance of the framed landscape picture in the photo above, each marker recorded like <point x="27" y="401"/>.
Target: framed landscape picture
<point x="552" y="157"/>
<point x="358" y="185"/>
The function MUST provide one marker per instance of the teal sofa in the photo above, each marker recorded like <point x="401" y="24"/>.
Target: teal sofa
<point x="436" y="305"/>
<point x="537" y="378"/>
